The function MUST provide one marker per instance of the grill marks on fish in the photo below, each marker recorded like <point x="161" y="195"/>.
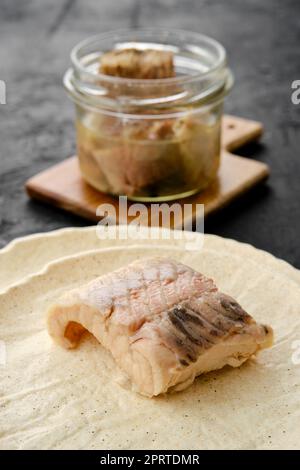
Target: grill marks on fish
<point x="182" y="313"/>
<point x="199" y="323"/>
<point x="191" y="334"/>
<point x="233" y="309"/>
<point x="183" y="348"/>
<point x="210" y="308"/>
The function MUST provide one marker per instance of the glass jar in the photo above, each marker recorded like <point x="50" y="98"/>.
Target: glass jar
<point x="150" y="139"/>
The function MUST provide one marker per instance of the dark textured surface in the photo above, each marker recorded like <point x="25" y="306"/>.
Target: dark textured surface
<point x="36" y="125"/>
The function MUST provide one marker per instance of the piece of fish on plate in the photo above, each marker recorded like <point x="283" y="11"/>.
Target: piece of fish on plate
<point x="163" y="322"/>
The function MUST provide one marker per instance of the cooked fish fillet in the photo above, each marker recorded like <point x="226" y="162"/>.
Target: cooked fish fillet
<point x="134" y="63"/>
<point x="163" y="322"/>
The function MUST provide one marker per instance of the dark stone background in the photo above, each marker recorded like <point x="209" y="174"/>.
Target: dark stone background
<point x="262" y="38"/>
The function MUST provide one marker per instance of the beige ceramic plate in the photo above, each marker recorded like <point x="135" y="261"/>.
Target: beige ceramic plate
<point x="57" y="399"/>
<point x="28" y="255"/>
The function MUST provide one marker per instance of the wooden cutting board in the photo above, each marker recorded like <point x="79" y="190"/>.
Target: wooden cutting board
<point x="63" y="186"/>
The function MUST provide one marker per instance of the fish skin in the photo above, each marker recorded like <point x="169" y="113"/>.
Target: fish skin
<point x="163" y="322"/>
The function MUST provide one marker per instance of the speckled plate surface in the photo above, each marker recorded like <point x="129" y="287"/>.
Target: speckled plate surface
<point x="52" y="398"/>
<point x="28" y="255"/>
